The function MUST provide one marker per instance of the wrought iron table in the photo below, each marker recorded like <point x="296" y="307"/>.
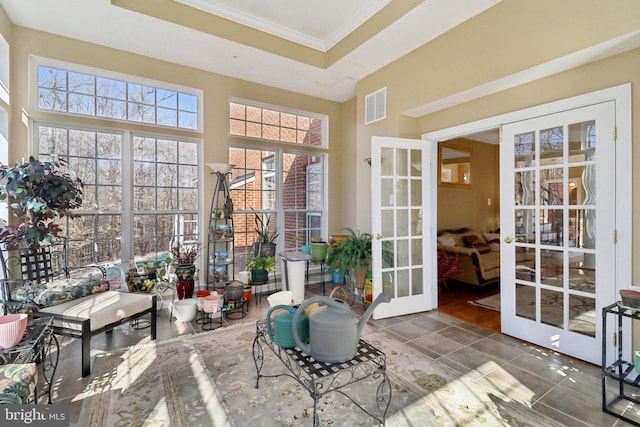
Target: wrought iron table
<point x="37" y="346"/>
<point x="321" y="378"/>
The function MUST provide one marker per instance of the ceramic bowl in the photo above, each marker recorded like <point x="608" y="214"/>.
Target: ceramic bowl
<point x="12" y="328"/>
<point x="630" y="298"/>
<point x="280" y="298"/>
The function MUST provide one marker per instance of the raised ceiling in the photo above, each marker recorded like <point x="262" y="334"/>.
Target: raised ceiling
<point x="316" y="47"/>
<point x="315" y="24"/>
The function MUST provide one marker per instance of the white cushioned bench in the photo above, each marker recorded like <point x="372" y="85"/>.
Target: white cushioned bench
<point x="87" y="316"/>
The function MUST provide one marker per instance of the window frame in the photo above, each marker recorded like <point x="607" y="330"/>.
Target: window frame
<point x="324" y="120"/>
<point x="279" y="211"/>
<point x="126" y="213"/>
<point x="37" y="61"/>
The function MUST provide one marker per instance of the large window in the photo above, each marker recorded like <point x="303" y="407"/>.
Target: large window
<point x="141" y="191"/>
<point x="284" y="184"/>
<point x="157" y="200"/>
<point x="74" y="92"/>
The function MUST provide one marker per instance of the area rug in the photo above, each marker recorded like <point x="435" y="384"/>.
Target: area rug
<point x="491" y="302"/>
<point x="582" y="313"/>
<point x="208" y="379"/>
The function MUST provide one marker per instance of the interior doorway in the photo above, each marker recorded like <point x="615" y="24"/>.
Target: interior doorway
<point x="475" y="207"/>
<point x="621" y="169"/>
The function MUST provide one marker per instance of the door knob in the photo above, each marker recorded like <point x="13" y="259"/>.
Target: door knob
<point x="378" y="236"/>
<point x="508" y="239"/>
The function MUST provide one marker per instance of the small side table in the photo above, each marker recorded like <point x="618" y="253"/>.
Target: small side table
<point x="39" y="345"/>
<point x="323" y="272"/>
<point x="320" y="378"/>
<point x="211" y="321"/>
<point x="258" y="295"/>
<point x="237" y="310"/>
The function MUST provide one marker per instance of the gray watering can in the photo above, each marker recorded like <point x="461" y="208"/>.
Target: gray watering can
<point x="334" y="330"/>
<point x="281" y="332"/>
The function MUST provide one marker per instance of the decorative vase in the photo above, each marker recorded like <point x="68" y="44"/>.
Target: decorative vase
<point x="185" y="274"/>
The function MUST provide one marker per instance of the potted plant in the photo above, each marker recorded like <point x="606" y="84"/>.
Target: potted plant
<point x="39" y="194"/>
<point x="260" y="266"/>
<point x="318" y="249"/>
<point x="184" y="256"/>
<point x="267" y="235"/>
<point x="352" y="255"/>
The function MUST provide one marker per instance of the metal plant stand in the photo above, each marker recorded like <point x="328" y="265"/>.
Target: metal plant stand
<point x="321" y="378"/>
<point x="621" y="372"/>
<point x="39" y="345"/>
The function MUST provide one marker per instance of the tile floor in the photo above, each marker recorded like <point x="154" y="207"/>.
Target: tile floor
<point x="563" y="388"/>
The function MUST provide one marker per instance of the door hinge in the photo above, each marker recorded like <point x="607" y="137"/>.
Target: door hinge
<point x="500" y="132"/>
<point x="615" y="133"/>
<point x="615" y="339"/>
<point x="615" y="237"/>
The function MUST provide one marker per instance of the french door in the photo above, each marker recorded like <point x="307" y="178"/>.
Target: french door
<point x="558" y="228"/>
<point x="403" y="243"/>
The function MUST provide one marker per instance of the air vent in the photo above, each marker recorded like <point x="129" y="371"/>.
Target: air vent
<point x="375" y="107"/>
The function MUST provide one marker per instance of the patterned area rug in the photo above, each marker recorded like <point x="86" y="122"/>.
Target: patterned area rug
<point x="208" y="379"/>
<point x="582" y="312"/>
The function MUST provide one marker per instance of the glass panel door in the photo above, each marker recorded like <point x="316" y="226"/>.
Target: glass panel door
<point x="400" y="255"/>
<point x="555" y="278"/>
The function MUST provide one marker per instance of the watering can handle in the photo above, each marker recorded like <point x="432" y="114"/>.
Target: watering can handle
<point x="301" y="345"/>
<point x="268" y="320"/>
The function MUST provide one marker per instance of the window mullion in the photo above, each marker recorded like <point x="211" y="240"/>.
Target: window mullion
<point x="127" y="198"/>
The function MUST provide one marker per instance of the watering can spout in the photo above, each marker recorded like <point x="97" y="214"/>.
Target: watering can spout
<point x="367" y="314"/>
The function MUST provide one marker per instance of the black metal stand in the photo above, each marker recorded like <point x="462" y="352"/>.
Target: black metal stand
<point x="620" y="371"/>
<point x="211" y="321"/>
<point x="321" y="378"/>
<point x="238" y="311"/>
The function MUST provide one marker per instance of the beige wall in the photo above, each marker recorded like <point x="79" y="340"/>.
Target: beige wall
<point x="468" y="207"/>
<point x="510" y="37"/>
<point x="217" y="90"/>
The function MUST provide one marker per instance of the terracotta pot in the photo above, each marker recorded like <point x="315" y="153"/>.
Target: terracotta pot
<point x="334" y="238"/>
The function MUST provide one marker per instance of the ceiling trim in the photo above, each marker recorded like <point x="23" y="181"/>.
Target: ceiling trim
<point x="362" y="15"/>
<point x="192" y="18"/>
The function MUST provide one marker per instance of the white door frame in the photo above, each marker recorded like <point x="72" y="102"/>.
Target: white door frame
<point x="622" y="96"/>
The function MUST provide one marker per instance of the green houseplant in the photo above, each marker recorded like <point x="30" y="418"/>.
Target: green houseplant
<point x="351" y="255"/>
<point x="260" y="266"/>
<point x="39" y="195"/>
